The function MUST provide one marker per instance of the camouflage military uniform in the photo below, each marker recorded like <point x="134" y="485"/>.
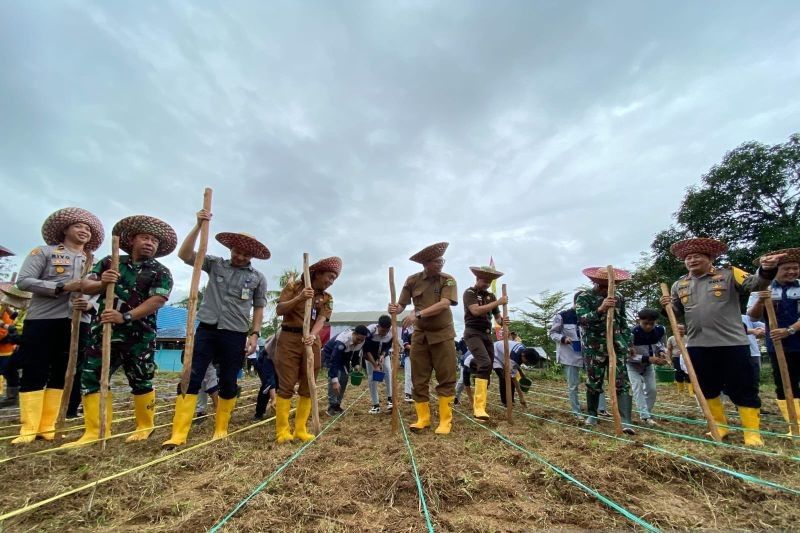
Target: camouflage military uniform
<point x="132" y="344"/>
<point x="595" y="353"/>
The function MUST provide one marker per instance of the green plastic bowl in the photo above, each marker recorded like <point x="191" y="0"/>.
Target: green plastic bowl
<point x="356" y="378"/>
<point x="665" y="374"/>
<point x="525" y="384"/>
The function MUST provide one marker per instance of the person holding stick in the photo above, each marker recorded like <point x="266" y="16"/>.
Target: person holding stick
<point x="433" y="343"/>
<point x="708" y="298"/>
<point x="52" y="273"/>
<point x="785" y="292"/>
<point x="591" y="307"/>
<point x="378" y="356"/>
<point x="226" y="333"/>
<point x="290" y="356"/>
<point x="142" y="287"/>
<point x="480" y="306"/>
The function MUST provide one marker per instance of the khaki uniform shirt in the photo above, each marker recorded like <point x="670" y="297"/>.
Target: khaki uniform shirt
<point x="473" y="296"/>
<point x="45" y="267"/>
<point x="711" y="305"/>
<point x="323" y="305"/>
<point x="425" y="291"/>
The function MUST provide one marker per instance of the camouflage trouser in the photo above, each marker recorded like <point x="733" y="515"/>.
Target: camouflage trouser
<point x="596" y="367"/>
<point x="136" y="358"/>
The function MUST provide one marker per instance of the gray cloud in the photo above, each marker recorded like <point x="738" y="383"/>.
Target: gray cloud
<point x="548" y="135"/>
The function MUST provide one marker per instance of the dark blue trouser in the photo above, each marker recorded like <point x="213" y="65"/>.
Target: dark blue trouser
<point x="222" y="347"/>
<point x="726" y="368"/>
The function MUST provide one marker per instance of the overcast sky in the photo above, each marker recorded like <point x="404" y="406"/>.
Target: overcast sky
<point x="549" y="135"/>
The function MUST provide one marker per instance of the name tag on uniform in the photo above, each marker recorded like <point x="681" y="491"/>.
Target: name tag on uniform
<point x="60" y="260"/>
<point x="246" y="293"/>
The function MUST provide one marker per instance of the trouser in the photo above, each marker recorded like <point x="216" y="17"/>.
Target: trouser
<point x="334" y="398"/>
<point x="464" y="380"/>
<point x="13" y="366"/>
<point x="45" y="344"/>
<point x="501" y="379"/>
<point x="680" y="375"/>
<point x="290" y="364"/>
<point x="726" y="368"/>
<point x="137" y="358"/>
<point x="755" y="366"/>
<point x="482" y="350"/>
<point x="596" y="367"/>
<point x="387" y="380"/>
<point x="793" y="362"/>
<point x="644" y="390"/>
<point x="269" y="381"/>
<point x="223" y="348"/>
<point x="573" y="374"/>
<point x="408" y="384"/>
<point x="427" y="358"/>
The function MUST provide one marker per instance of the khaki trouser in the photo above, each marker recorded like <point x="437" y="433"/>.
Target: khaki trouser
<point x="290" y="364"/>
<point x="427" y="358"/>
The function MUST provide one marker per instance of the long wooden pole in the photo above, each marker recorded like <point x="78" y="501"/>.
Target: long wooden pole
<point x="395" y="356"/>
<point x="507" y="363"/>
<point x="312" y="384"/>
<point x="72" y="362"/>
<point x="698" y="392"/>
<point x="784" y="369"/>
<point x="194" y="289"/>
<point x="612" y="354"/>
<point x="105" y="369"/>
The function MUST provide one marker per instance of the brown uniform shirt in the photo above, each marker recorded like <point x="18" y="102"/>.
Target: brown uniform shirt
<point x="323" y="305"/>
<point x="473" y="296"/>
<point x="425" y="291"/>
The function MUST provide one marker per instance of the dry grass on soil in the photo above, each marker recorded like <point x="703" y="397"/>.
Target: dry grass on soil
<point x="358" y="476"/>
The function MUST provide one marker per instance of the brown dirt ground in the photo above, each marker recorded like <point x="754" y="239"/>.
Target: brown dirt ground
<point x="358" y="476"/>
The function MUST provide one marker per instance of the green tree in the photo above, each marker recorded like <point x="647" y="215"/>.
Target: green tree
<point x="533" y="325"/>
<point x="272" y="320"/>
<point x="185" y="302"/>
<point x="750" y="200"/>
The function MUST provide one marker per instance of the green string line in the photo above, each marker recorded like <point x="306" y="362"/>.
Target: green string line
<point x="417" y="479"/>
<point x="734" y="473"/>
<point x="773" y="419"/>
<point x="690" y="437"/>
<point x="592" y="492"/>
<point x="280" y="469"/>
<point x="692" y="421"/>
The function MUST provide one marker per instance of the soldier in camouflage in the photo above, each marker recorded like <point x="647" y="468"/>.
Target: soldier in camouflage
<point x="591" y="307"/>
<point x="142" y="287"/>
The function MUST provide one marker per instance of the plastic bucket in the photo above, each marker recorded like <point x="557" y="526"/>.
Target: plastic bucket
<point x="525" y="384"/>
<point x="356" y="377"/>
<point x="378" y="376"/>
<point x="665" y="374"/>
<point x="576" y="345"/>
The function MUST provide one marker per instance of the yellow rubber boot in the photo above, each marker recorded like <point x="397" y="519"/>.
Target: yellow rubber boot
<point x="144" y="409"/>
<point x="797" y="409"/>
<point x="784" y="407"/>
<point x="91" y="419"/>
<point x="301" y="418"/>
<point x="30" y="411"/>
<point x="479" y="399"/>
<point x="751" y="421"/>
<point x="223" y="417"/>
<point x="718" y="413"/>
<point x="445" y="415"/>
<point x="50" y="407"/>
<point x="423" y="416"/>
<point x="690" y="389"/>
<point x="679" y="386"/>
<point x="182" y="421"/>
<point x="282" y="408"/>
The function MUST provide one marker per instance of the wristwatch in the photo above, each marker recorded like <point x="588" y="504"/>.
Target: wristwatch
<point x="127" y="318"/>
<point x="257" y="334"/>
<point x="59" y="288"/>
<point x="418" y="313"/>
<point x="790" y="330"/>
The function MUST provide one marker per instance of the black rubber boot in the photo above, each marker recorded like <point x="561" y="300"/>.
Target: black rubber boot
<point x="592" y="401"/>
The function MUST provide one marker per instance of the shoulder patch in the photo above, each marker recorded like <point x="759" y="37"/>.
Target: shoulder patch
<point x="450" y="282"/>
<point x="36" y="251"/>
<point x="739" y="275"/>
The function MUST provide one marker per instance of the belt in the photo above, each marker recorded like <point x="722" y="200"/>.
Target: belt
<point x="292" y="329"/>
<point x="472" y="329"/>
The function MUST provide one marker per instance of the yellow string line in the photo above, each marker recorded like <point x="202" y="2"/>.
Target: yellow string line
<point x="114" y="421"/>
<point x="41" y="503"/>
